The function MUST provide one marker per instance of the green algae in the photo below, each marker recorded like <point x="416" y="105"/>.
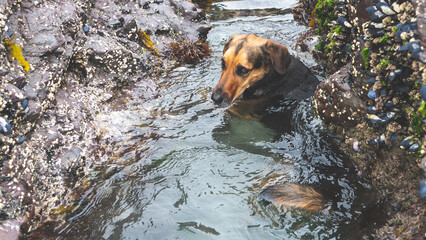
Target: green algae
<point x="324" y="12"/>
<point x="366" y="56"/>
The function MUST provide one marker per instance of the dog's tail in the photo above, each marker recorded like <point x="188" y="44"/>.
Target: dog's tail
<point x="293" y="195"/>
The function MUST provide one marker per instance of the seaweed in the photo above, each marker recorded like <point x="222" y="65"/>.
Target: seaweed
<point x="324" y="12"/>
<point x="417" y="118"/>
<point x="146" y="40"/>
<point x="366" y="56"/>
<point x="384" y="63"/>
<point x="15" y="51"/>
<point x="384" y="38"/>
<point x="188" y="52"/>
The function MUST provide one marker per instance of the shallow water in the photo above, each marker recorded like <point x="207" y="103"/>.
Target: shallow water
<point x="180" y="168"/>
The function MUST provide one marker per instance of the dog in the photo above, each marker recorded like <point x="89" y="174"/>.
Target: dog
<point x="254" y="69"/>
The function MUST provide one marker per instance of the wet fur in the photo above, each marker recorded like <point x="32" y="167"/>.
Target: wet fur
<point x="272" y="72"/>
<point x="293" y="195"/>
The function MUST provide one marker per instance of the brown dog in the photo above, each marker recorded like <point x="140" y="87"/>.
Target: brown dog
<point x="255" y="67"/>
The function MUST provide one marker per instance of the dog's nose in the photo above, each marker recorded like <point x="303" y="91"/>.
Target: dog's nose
<point x="217" y="96"/>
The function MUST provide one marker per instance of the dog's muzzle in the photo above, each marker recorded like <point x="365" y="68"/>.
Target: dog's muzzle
<point x="219" y="98"/>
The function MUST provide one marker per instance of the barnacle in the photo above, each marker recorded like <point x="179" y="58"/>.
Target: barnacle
<point x="16" y="52"/>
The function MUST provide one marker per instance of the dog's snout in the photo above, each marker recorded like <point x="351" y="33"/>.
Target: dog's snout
<point x="217" y="96"/>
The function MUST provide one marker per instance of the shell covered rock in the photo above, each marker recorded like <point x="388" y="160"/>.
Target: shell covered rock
<point x="336" y="102"/>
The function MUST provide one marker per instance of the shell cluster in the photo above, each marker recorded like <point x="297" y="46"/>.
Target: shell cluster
<point x="394" y="73"/>
<point x="388" y="67"/>
<point x="384" y="43"/>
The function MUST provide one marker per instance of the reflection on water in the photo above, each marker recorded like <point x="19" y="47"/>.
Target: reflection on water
<point x="178" y="167"/>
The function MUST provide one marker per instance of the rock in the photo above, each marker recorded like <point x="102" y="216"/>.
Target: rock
<point x="10" y="229"/>
<point x="34" y="110"/>
<point x="335" y="101"/>
<point x="13" y="93"/>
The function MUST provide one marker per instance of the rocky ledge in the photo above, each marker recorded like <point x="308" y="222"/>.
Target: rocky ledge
<point x="61" y="62"/>
<point x="375" y="100"/>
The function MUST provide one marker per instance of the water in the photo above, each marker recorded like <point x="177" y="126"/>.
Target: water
<point x="178" y="167"/>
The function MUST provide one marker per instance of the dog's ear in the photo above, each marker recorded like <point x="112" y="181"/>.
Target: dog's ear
<point x="279" y="55"/>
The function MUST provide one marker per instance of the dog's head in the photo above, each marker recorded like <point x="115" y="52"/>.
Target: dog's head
<point x="246" y="61"/>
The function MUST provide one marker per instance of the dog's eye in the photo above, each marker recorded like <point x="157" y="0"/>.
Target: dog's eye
<point x="223" y="64"/>
<point x="242" y="71"/>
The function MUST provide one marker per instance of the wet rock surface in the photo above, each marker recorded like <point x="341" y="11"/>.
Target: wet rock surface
<point x="61" y="63"/>
<point x="375" y="50"/>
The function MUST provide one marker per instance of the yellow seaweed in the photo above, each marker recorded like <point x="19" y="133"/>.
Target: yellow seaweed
<point x="312" y="22"/>
<point x="146" y="40"/>
<point x="63" y="209"/>
<point x="16" y="52"/>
